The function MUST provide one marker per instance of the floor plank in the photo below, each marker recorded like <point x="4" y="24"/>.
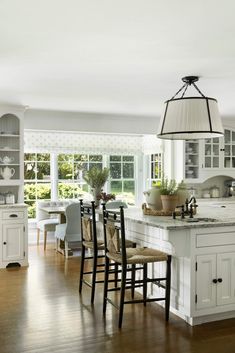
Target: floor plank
<point x="41" y="311"/>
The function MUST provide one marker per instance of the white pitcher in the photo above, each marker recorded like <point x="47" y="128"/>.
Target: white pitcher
<point x="7" y="173"/>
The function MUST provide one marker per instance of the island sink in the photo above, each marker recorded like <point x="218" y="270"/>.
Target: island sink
<point x="199" y="219"/>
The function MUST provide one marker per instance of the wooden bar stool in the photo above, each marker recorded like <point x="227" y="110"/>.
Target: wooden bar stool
<point x="96" y="246"/>
<point x="116" y="251"/>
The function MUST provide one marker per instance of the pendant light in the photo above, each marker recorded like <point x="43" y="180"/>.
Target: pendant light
<point x="187" y="118"/>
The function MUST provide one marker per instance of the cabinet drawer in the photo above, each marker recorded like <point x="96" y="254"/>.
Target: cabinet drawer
<point x="215" y="239"/>
<point x="13" y="215"/>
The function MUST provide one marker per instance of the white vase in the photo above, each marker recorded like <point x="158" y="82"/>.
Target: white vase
<point x="153" y="198"/>
<point x="95" y="193"/>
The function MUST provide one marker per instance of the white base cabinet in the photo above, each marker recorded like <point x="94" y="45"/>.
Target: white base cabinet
<point x="203" y="268"/>
<point x="13" y="236"/>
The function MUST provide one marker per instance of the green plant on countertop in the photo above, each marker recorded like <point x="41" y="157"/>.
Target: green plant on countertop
<point x="96" y="177"/>
<point x="168" y="187"/>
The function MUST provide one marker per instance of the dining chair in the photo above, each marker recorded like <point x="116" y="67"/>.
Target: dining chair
<point x="45" y="222"/>
<point x="92" y="243"/>
<point x="69" y="232"/>
<point x="116" y="251"/>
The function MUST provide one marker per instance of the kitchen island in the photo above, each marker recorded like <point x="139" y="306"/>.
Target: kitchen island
<point x="203" y="263"/>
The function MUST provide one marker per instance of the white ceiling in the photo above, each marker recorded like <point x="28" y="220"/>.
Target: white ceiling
<point x="122" y="56"/>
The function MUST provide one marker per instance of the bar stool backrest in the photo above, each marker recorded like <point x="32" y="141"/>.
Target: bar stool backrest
<point x="88" y="224"/>
<point x="114" y="232"/>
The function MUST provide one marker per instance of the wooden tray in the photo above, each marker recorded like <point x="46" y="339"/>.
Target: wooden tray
<point x="149" y="212"/>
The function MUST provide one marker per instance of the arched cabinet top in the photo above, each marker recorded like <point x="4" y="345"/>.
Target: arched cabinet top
<point x="9" y="124"/>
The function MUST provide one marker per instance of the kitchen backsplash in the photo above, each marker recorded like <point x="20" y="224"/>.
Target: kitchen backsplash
<point x="203" y="190"/>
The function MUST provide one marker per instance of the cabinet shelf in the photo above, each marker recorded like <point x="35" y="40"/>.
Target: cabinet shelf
<point x="9" y="150"/>
<point x="9" y="135"/>
<point x="10" y="182"/>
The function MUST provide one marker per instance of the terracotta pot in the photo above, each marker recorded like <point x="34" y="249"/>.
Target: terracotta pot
<point x="169" y="202"/>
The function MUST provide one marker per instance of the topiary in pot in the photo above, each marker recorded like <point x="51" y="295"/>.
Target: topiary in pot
<point x="169" y="196"/>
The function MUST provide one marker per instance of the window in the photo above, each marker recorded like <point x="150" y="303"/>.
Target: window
<point x="122" y="177"/>
<point x="71" y="168"/>
<point x="156" y="168"/>
<point x="36" y="180"/>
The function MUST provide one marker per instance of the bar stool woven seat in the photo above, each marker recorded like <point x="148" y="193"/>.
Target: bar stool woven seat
<point x="140" y="256"/>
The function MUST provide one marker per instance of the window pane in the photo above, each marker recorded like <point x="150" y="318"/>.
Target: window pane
<point x="116" y="187"/>
<point x="129" y="186"/>
<point x="227" y="136"/>
<point x="78" y="171"/>
<point x="31" y="209"/>
<point x="30" y="191"/>
<point x="115" y="170"/>
<point x="43" y="171"/>
<point x="65" y="157"/>
<point x="65" y="170"/>
<point x="29" y="170"/>
<point x="96" y="165"/>
<point x="80" y="157"/>
<point x="43" y="157"/>
<point x="208" y="150"/>
<point x="43" y="191"/>
<point x="128" y="158"/>
<point x="30" y="156"/>
<point x="128" y="170"/>
<point x="227" y="150"/>
<point x="95" y="158"/>
<point x="115" y="158"/>
<point x="65" y="190"/>
<point x="208" y="162"/>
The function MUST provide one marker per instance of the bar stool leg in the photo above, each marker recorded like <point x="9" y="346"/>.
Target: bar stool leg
<point x="82" y="268"/>
<point x="106" y="281"/>
<point x="168" y="287"/>
<point x="116" y="275"/>
<point x="93" y="276"/>
<point x="132" y="281"/>
<point x="145" y="277"/>
<point x="122" y="294"/>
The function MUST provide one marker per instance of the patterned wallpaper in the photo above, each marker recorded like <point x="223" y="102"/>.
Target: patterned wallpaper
<point x="72" y="142"/>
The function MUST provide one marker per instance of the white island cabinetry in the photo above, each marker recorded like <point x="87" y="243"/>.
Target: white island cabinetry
<point x="203" y="263"/>
<point x="13" y="236"/>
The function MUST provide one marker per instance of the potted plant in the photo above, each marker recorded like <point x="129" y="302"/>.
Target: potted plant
<point x="96" y="178"/>
<point x="169" y="196"/>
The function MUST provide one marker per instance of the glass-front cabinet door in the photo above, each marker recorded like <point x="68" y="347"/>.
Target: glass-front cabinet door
<point x="212" y="153"/>
<point x="220" y="152"/>
<point x="229" y="149"/>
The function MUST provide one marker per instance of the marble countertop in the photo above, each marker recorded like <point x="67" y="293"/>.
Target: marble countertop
<point x="222" y="212"/>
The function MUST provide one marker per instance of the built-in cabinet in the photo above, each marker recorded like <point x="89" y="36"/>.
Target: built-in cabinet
<point x="215" y="280"/>
<point x="13" y="217"/>
<point x="197" y="160"/>
<point x="13" y="235"/>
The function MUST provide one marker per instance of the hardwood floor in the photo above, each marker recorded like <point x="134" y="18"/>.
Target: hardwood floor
<point x="42" y="312"/>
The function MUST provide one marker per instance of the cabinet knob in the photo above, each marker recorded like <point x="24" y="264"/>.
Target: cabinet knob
<point x="13" y="215"/>
<point x="4" y="243"/>
<point x="220" y="280"/>
<point x="214" y="280"/>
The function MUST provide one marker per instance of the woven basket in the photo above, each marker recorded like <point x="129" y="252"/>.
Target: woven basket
<point x="149" y="212"/>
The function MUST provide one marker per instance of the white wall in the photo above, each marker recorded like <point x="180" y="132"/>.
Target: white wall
<point x="89" y="122"/>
